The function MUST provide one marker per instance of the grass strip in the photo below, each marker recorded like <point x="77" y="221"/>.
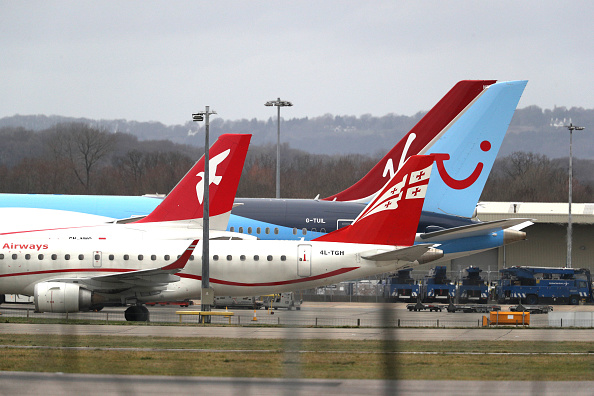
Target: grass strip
<point x="342" y="359"/>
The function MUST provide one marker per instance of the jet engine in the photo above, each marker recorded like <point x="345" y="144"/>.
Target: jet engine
<point x="61" y="297"/>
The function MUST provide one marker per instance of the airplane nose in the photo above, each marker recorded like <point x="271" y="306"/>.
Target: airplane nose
<point x="510" y="236"/>
<point x="430" y="255"/>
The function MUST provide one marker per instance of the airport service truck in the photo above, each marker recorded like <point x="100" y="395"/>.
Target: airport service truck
<point x="437" y="287"/>
<point x="248" y="302"/>
<point x="534" y="285"/>
<point x="281" y="300"/>
<point x="402" y="286"/>
<point x="473" y="288"/>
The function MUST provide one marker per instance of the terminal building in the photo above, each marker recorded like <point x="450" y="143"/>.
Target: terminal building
<point x="546" y="243"/>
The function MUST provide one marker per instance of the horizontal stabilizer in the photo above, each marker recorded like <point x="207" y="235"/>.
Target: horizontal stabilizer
<point x="410" y="253"/>
<point x="472" y="230"/>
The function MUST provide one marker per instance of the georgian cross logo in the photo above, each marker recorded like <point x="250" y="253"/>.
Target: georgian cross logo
<point x="413" y="185"/>
<point x="212" y="174"/>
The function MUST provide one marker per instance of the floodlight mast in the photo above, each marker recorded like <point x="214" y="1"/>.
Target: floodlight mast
<point x="571" y="128"/>
<point x="207" y="293"/>
<point x="278" y="103"/>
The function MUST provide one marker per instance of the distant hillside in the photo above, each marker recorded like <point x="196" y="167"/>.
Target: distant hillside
<point x="531" y="130"/>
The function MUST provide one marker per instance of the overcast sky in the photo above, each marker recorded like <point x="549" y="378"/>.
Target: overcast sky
<point x="163" y="60"/>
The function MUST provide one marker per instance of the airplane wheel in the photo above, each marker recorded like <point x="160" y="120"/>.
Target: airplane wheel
<point x="137" y="313"/>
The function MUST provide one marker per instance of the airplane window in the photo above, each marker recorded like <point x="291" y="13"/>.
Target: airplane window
<point x="1" y="257"/>
<point x="167" y="258"/>
<point x="27" y="256"/>
<point x="322" y="230"/>
<point x="54" y="256"/>
<point x="232" y="229"/>
<point x="276" y="231"/>
<point x="241" y="230"/>
<point x="283" y="258"/>
<point x="40" y="257"/>
<point x="267" y="230"/>
<point x="97" y="257"/>
<point x="304" y="231"/>
<point x="14" y="256"/>
<point x="258" y="230"/>
<point x="313" y="230"/>
<point x="242" y="257"/>
<point x="294" y="231"/>
<point x="126" y="257"/>
<point x="256" y="257"/>
<point x="140" y="257"/>
<point x="269" y="258"/>
<point x="111" y="257"/>
<point x="178" y="256"/>
<point x="249" y="230"/>
<point x="81" y="256"/>
<point x="229" y="258"/>
<point x="66" y="257"/>
<point x="192" y="258"/>
<point x="215" y="257"/>
<point x="153" y="257"/>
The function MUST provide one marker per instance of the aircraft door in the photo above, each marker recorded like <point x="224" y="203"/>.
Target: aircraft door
<point x="304" y="260"/>
<point x="97" y="258"/>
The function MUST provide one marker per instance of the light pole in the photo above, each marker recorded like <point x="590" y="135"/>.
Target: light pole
<point x="207" y="295"/>
<point x="571" y="128"/>
<point x="278" y="103"/>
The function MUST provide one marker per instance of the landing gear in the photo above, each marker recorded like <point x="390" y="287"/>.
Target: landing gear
<point x="137" y="313"/>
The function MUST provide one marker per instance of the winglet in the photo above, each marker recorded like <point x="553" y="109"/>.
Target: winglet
<point x="181" y="262"/>
<point x="184" y="202"/>
<point x="392" y="217"/>
<point x="417" y="140"/>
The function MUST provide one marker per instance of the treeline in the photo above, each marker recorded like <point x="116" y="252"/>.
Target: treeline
<point x="75" y="158"/>
<point x="532" y="129"/>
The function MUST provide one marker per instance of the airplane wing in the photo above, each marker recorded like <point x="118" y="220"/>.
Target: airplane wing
<point x="475" y="229"/>
<point x="146" y="280"/>
<point x="409" y="253"/>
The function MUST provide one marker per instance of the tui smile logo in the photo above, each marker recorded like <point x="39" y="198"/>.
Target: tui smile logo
<point x="464" y="183"/>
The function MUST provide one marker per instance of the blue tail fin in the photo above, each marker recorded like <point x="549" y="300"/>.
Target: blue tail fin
<point x="465" y="154"/>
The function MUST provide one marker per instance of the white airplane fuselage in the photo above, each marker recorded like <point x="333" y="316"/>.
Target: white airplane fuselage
<point x="237" y="268"/>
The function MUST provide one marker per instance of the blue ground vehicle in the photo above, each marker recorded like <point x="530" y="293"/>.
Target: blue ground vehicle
<point x="437" y="287"/>
<point x="473" y="288"/>
<point x="533" y="285"/>
<point x="402" y="287"/>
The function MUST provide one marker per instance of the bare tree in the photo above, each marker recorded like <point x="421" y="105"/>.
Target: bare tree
<point x="83" y="147"/>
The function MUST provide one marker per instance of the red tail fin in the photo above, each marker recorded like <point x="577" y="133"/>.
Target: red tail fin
<point x="184" y="202"/>
<point x="416" y="141"/>
<point x="393" y="215"/>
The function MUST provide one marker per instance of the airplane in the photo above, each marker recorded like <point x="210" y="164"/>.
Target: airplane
<point x="65" y="275"/>
<point x="467" y="126"/>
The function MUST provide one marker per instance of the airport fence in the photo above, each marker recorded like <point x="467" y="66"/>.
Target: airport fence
<point x="246" y="318"/>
